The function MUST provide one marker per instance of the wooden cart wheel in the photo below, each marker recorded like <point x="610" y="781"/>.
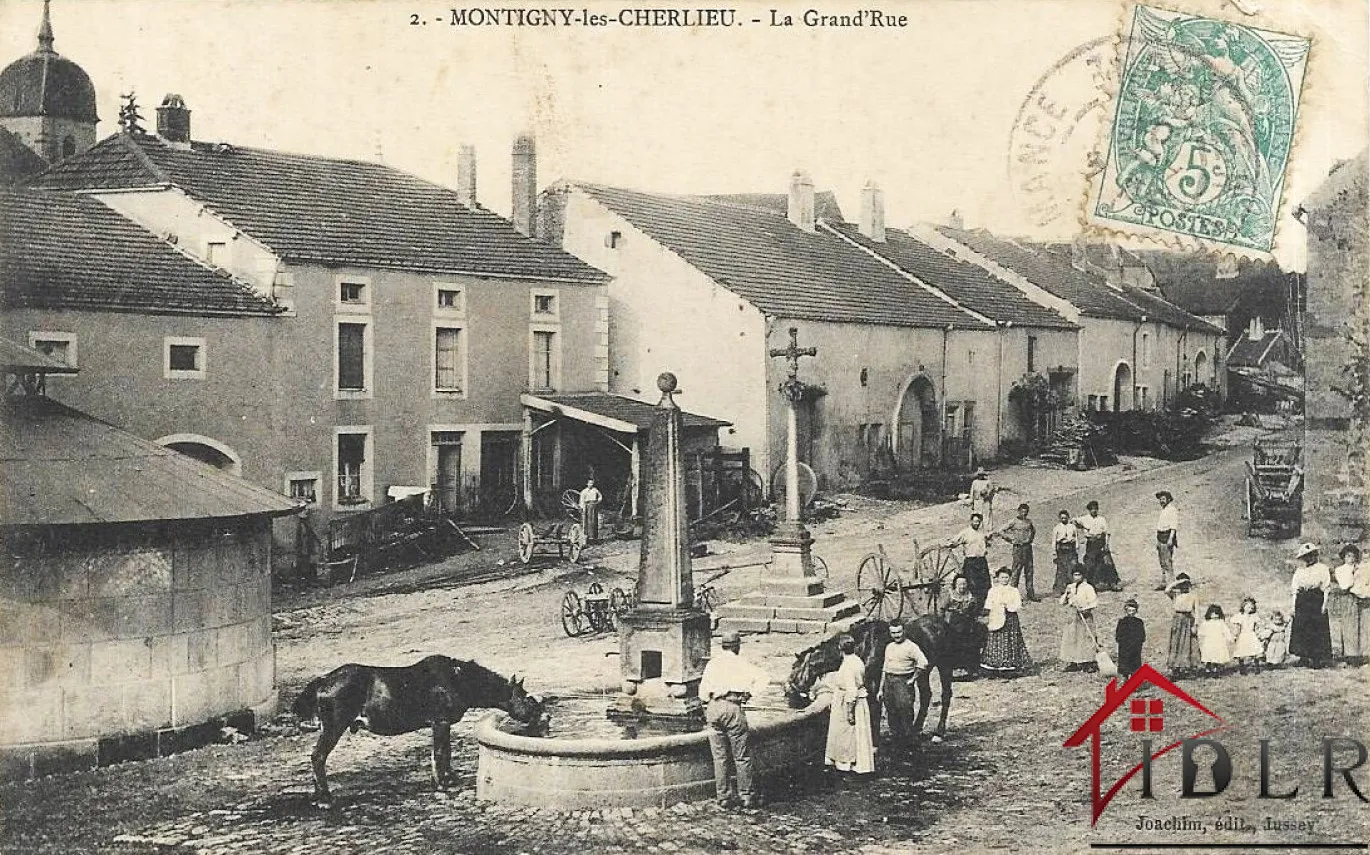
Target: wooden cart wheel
<point x="575" y="541"/>
<point x="572" y="614"/>
<point x="526" y="543"/>
<point x="570" y="503"/>
<point x="808" y="484"/>
<point x="880" y="595"/>
<point x="937" y="566"/>
<point x="820" y="567"/>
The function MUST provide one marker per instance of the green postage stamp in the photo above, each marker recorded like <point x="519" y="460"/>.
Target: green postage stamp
<point x="1202" y="130"/>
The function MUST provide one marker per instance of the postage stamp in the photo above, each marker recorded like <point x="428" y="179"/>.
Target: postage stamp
<point x="1202" y="130"/>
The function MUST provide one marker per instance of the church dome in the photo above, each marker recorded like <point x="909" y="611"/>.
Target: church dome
<point x="46" y="84"/>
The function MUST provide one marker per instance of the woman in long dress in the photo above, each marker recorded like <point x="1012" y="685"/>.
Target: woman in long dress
<point x="1079" y="638"/>
<point x="1310" y="639"/>
<point x="1006" y="654"/>
<point x="850" y="745"/>
<point x="1360" y="589"/>
<point x="962" y="608"/>
<point x="1343" y="611"/>
<point x="1182" y="656"/>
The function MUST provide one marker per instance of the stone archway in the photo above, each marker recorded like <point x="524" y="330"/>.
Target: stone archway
<point x="917" y="442"/>
<point x="1201" y="368"/>
<point x="1122" y="387"/>
<point x="205" y="450"/>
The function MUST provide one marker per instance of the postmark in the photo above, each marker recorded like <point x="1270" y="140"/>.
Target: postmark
<point x="1202" y="130"/>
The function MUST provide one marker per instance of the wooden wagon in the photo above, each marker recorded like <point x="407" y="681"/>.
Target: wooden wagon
<point x="889" y="591"/>
<point x="1274" y="488"/>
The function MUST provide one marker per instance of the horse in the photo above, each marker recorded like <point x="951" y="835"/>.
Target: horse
<point x="945" y="650"/>
<point x="435" y="691"/>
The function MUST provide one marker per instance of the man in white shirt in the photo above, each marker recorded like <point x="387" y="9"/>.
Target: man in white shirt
<point x="975" y="567"/>
<point x="1098" y="560"/>
<point x="728" y="682"/>
<point x="905" y="662"/>
<point x="1167" y="536"/>
<point x="590" y="498"/>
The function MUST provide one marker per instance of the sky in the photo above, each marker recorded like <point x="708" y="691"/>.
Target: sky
<point x="926" y="110"/>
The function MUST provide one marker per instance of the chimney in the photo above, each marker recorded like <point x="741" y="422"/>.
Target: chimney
<point x="872" y="219"/>
<point x="525" y="182"/>
<point x="173" y="119"/>
<point x="801" y="200"/>
<point x="954" y="220"/>
<point x="466" y="176"/>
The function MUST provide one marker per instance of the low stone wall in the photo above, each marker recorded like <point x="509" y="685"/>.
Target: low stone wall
<point x="574" y="774"/>
<point x="120" y="641"/>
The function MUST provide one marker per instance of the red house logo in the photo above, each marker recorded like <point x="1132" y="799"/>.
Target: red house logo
<point x="1146" y="716"/>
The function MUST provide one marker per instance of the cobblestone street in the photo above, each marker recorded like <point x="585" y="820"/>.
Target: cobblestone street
<point x="1000" y="772"/>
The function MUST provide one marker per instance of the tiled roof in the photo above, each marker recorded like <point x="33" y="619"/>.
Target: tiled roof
<point x="63" y="467"/>
<point x="19" y="358"/>
<point x="782" y="270"/>
<point x="1192" y="283"/>
<point x="1160" y="309"/>
<point x="968" y="284"/>
<point x="17" y="161"/>
<point x="624" y="409"/>
<point x="825" y="205"/>
<point x="1090" y="295"/>
<point x="1251" y="353"/>
<point x="320" y="210"/>
<point x="65" y="251"/>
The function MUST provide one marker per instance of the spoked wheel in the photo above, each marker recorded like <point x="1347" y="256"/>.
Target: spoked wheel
<point x="575" y="541"/>
<point x="526" y="543"/>
<point x="881" y="597"/>
<point x="808" y="484"/>
<point x="937" y="566"/>
<point x="570" y="503"/>
<point x="820" y="567"/>
<point x="572" y="614"/>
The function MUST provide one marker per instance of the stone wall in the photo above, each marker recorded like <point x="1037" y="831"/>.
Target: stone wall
<point x="128" y="641"/>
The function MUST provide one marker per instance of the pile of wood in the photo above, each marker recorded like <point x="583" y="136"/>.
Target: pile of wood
<point x="1080" y="444"/>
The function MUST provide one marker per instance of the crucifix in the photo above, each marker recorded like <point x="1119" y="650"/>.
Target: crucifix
<point x="793" y="390"/>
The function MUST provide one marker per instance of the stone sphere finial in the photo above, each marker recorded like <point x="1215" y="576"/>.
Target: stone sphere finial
<point x="666" y="382"/>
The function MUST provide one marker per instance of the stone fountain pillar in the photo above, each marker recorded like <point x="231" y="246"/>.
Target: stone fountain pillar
<point x="664" y="640"/>
<point x="792" y="597"/>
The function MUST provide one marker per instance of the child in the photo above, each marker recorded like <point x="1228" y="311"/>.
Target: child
<point x="1214" y="641"/>
<point x="1130" y="635"/>
<point x="1276" y="640"/>
<point x="1247" y="648"/>
<point x="1181" y="657"/>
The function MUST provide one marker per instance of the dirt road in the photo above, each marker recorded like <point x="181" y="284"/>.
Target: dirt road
<point x="1000" y="782"/>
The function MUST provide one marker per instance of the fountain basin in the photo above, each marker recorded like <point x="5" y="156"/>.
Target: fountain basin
<point x="656" y="771"/>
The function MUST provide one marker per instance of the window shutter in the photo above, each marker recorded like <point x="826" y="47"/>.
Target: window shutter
<point x="351" y="356"/>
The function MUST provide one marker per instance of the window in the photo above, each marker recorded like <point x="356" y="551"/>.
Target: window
<point x="303" y="486"/>
<point x="1103" y="403"/>
<point x="1146" y="350"/>
<point x="449" y="368"/>
<point x="68" y="146"/>
<point x="1032" y="353"/>
<point x="968" y="419"/>
<point x="216" y="253"/>
<point x="59" y="345"/>
<point x="950" y="425"/>
<point x="1142" y="393"/>
<point x="353" y="355"/>
<point x="970" y="357"/>
<point x="354" y="293"/>
<point x="1092" y="403"/>
<point x="351" y="292"/>
<point x="544" y="360"/>
<point x="449" y="300"/>
<point x="353" y="466"/>
<point x="613" y="240"/>
<point x="545" y="305"/>
<point x="183" y="358"/>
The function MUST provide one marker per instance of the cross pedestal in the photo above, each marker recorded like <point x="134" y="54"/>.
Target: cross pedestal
<point x="791" y="597"/>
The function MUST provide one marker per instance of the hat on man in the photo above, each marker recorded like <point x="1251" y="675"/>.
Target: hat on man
<point x="731" y="638"/>
<point x="1165" y="494"/>
<point x="980" y="471"/>
<point x="1306" y="550"/>
<point x="1181" y="577"/>
<point x="1130" y="603"/>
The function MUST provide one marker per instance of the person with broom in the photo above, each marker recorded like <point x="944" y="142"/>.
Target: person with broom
<point x="1079" y="639"/>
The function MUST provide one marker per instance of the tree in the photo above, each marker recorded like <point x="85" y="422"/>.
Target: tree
<point x="130" y="120"/>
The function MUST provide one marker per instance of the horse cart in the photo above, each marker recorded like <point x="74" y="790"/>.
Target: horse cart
<point x="1274" y="488"/>
<point x="889" y="591"/>
<point x="566" y="539"/>
<point x="597" y="611"/>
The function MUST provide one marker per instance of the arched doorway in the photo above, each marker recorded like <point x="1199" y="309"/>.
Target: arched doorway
<point x="1122" y="387"/>
<point x="205" y="450"/>
<point x="1201" y="368"/>
<point x="917" y="444"/>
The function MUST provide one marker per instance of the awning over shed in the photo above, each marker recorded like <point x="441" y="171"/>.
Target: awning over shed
<point x="614" y="412"/>
<point x="63" y="467"/>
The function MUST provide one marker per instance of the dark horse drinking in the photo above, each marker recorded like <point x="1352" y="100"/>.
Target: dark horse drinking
<point x="945" y="647"/>
<point x="433" y="692"/>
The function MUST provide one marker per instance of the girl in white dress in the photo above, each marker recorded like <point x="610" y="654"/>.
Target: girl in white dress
<point x="1214" y="641"/>
<point x="1247" y="648"/>
<point x="851" y="746"/>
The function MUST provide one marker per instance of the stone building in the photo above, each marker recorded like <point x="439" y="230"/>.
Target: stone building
<point x="1336" y="332"/>
<point x="135" y="588"/>
<point x="47" y="105"/>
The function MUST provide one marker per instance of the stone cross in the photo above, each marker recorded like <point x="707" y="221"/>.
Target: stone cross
<point x="793" y="391"/>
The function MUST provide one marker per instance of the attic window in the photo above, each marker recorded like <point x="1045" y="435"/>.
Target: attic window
<point x="865" y="376"/>
<point x="351" y="292"/>
<point x="613" y="240"/>
<point x="216" y="253"/>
